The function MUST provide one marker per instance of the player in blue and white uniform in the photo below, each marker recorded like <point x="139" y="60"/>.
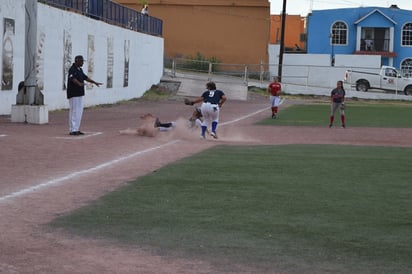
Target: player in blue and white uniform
<point x="213" y="100"/>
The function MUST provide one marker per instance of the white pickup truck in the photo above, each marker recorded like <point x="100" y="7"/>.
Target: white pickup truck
<point x="385" y="78"/>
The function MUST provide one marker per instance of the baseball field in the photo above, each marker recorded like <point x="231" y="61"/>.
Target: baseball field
<point x="269" y="196"/>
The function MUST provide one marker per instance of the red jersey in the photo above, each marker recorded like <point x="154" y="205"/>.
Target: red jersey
<point x="275" y="88"/>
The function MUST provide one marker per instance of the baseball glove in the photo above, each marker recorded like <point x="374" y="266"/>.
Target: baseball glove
<point x="188" y="102"/>
<point x="342" y="106"/>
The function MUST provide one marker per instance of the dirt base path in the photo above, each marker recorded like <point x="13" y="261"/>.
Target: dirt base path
<point x="46" y="173"/>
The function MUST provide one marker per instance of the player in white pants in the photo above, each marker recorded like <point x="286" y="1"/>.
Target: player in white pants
<point x="213" y="100"/>
<point x="274" y="90"/>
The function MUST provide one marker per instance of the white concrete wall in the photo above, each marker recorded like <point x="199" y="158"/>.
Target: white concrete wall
<point x="145" y="56"/>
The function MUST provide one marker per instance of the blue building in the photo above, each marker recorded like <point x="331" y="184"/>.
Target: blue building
<point x="386" y="32"/>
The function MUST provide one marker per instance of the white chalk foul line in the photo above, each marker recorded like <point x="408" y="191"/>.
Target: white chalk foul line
<point x="79" y="173"/>
<point x="249" y="115"/>
<point x="243" y="117"/>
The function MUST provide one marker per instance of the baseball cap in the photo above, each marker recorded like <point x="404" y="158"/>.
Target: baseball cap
<point x="79" y="58"/>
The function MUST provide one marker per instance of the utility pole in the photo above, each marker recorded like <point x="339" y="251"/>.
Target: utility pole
<point x="282" y="41"/>
<point x="332" y="60"/>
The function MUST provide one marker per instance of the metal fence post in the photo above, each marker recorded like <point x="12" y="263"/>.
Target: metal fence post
<point x="245" y="79"/>
<point x="261" y="72"/>
<point x="174" y="68"/>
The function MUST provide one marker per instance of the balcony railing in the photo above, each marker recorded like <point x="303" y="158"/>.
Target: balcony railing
<point x="375" y="47"/>
<point x="112" y="13"/>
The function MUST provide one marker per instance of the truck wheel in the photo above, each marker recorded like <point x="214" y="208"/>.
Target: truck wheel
<point x="408" y="90"/>
<point x="362" y="86"/>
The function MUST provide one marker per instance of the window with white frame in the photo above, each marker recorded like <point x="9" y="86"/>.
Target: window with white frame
<point x="406" y="68"/>
<point x="407" y="35"/>
<point x="339" y="33"/>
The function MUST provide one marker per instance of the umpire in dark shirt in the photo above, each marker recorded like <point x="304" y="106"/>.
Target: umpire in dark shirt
<point x="75" y="93"/>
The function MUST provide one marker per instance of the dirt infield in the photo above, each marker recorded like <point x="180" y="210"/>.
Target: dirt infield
<point x="46" y="173"/>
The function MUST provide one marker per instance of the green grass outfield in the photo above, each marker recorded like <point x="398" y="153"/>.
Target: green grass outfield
<point x="291" y="208"/>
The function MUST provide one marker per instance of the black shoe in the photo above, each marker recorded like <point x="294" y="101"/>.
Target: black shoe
<point x="80" y="133"/>
<point x="330" y="125"/>
<point x="157" y="123"/>
<point x="273" y="116"/>
<point x="343" y="126"/>
<point x="74" y="133"/>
